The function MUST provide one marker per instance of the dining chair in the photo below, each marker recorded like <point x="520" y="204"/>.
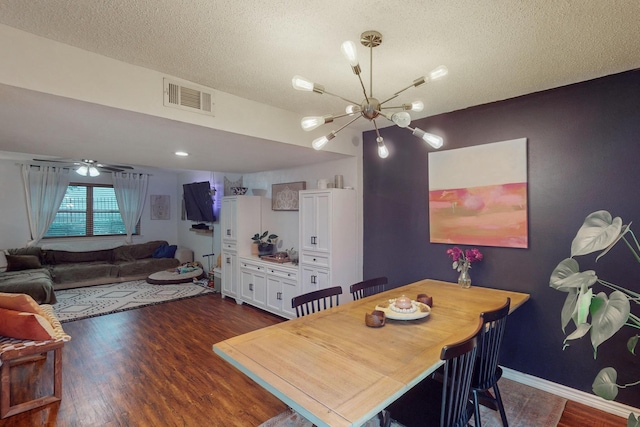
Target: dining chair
<point x="316" y="301"/>
<point x="444" y="403"/>
<point x="487" y="372"/>
<point x="368" y="287"/>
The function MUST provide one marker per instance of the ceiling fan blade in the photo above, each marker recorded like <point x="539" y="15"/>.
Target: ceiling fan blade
<point x="104" y="168"/>
<point x="118" y="166"/>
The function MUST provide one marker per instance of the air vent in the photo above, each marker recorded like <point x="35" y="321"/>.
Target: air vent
<point x="188" y="97"/>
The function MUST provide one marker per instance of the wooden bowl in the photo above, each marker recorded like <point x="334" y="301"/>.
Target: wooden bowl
<point x="374" y="320"/>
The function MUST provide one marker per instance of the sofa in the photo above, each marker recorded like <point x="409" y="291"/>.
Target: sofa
<point x="39" y="272"/>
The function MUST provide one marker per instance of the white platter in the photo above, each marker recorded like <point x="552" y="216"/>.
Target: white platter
<point x="422" y="310"/>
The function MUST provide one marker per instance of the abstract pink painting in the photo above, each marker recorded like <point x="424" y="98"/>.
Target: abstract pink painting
<point x="478" y="195"/>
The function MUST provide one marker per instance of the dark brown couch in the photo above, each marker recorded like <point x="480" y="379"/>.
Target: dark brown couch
<point x="65" y="269"/>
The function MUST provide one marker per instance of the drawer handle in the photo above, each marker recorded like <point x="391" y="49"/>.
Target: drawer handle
<point x="228" y="232"/>
<point x="313" y="279"/>
<point x="314" y="240"/>
<point x="251" y="286"/>
<point x="279" y="296"/>
<point x="228" y="260"/>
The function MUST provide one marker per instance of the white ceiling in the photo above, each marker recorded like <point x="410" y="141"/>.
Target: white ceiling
<point x="494" y="50"/>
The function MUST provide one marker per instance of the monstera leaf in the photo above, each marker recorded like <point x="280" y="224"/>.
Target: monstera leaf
<point x="567" y="276"/>
<point x="610" y="316"/>
<point x="598" y="231"/>
<point x="569" y="308"/>
<point x="631" y="344"/>
<point x="605" y="384"/>
<point x="632" y="421"/>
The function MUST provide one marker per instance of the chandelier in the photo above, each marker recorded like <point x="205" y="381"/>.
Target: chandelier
<point x="370" y="108"/>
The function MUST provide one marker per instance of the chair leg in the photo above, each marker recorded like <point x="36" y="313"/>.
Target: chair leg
<point x="476" y="409"/>
<point x="503" y="415"/>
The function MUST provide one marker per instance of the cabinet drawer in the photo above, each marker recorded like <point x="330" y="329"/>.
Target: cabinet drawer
<point x="249" y="266"/>
<point x="229" y="246"/>
<point x="283" y="273"/>
<point x="312" y="259"/>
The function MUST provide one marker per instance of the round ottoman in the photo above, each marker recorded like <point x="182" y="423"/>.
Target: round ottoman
<point x="170" y="277"/>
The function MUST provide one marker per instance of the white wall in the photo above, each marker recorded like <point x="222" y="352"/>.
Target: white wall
<point x="14" y="226"/>
<point x="44" y="65"/>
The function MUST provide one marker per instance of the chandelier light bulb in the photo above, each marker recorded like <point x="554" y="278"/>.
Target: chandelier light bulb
<point x="438" y="72"/>
<point x="383" y="152"/>
<point x="93" y="171"/>
<point x="352" y="109"/>
<point x="319" y="143"/>
<point x="349" y="51"/>
<point x="312" y="122"/>
<point x="82" y="170"/>
<point x="417" y="106"/>
<point x="300" y="83"/>
<point x="402" y="119"/>
<point x="433" y="140"/>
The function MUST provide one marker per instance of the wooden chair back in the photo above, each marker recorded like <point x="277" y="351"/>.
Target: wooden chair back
<point x="368" y="287"/>
<point x="316" y="301"/>
<point x="456" y="408"/>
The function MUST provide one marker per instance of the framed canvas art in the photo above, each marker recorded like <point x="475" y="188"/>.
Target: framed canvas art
<point x="478" y="195"/>
<point x="160" y="207"/>
<point x="285" y="197"/>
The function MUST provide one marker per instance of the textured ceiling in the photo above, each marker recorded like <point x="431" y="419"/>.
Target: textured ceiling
<point x="494" y="49"/>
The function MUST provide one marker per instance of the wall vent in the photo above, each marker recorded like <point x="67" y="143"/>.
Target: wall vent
<point x="188" y="96"/>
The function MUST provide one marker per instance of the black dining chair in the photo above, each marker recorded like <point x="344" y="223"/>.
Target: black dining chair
<point x="316" y="300"/>
<point x="444" y="403"/>
<point x="368" y="287"/>
<point x="487" y="372"/>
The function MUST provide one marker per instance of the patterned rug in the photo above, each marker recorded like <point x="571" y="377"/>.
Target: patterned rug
<point x="92" y="301"/>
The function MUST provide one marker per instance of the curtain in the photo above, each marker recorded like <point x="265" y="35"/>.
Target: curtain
<point x="44" y="188"/>
<point x="131" y="192"/>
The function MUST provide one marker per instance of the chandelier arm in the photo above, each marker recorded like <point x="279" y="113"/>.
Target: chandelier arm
<point x="397" y="107"/>
<point x="389" y="99"/>
<point x="344" y="99"/>
<point x="347" y="124"/>
<point x="376" y="126"/>
<point x="363" y="89"/>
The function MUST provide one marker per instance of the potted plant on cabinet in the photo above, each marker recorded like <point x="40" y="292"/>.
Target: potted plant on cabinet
<point x="265" y="243"/>
<point x="599" y="315"/>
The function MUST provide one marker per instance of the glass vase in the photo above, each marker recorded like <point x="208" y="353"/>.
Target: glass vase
<point x="464" y="280"/>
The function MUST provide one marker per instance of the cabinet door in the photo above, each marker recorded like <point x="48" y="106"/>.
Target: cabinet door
<point x="315" y="223"/>
<point x="289" y="290"/>
<point x="229" y="282"/>
<point x="314" y="279"/>
<point x="229" y="219"/>
<point x="275" y="301"/>
<point x="323" y="223"/>
<point x="307" y="222"/>
<point x="253" y="287"/>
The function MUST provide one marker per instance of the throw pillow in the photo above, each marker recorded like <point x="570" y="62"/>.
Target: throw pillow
<point x="25" y="326"/>
<point x="19" y="302"/>
<point x="3" y="261"/>
<point x="22" y="262"/>
<point x="165" y="251"/>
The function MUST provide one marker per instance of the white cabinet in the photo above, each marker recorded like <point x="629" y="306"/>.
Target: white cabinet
<point x="268" y="285"/>
<point x="253" y="283"/>
<point x="240" y="219"/>
<point x="282" y="286"/>
<point x="327" y="239"/>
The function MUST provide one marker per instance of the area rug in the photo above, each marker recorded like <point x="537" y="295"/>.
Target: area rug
<point x="92" y="301"/>
<point x="525" y="407"/>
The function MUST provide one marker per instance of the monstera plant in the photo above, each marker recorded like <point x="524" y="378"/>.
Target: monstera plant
<point x="598" y="314"/>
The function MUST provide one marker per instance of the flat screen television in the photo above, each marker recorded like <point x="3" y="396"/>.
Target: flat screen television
<point x="198" y="202"/>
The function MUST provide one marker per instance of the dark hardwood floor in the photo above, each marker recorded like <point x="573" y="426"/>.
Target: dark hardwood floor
<point x="154" y="366"/>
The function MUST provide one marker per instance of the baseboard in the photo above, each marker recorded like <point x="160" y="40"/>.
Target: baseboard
<point x="569" y="393"/>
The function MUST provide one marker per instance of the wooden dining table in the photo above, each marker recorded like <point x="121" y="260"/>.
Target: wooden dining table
<point x="336" y="371"/>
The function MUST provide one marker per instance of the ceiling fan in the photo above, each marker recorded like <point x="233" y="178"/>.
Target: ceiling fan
<point x="86" y="167"/>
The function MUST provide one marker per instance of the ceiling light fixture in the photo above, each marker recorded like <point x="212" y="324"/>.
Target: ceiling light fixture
<point x="88" y="168"/>
<point x="370" y="108"/>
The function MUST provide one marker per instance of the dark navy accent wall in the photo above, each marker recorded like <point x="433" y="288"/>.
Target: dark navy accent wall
<point x="583" y="154"/>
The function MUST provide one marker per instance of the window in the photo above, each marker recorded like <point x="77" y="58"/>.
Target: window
<point x="88" y="210"/>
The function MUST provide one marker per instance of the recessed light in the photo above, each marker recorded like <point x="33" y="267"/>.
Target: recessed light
<point x="182" y="153"/>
